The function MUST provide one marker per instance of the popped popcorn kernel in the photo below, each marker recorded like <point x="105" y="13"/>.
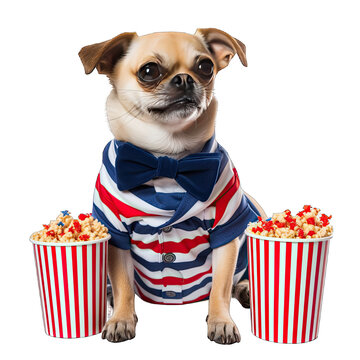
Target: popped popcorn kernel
<point x="305" y="224"/>
<point x="67" y="229"/>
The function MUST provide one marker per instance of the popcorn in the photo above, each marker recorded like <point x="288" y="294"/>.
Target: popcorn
<point x="305" y="225"/>
<point x="67" y="229"/>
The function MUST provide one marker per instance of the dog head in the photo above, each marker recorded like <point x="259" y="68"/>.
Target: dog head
<point x="165" y="79"/>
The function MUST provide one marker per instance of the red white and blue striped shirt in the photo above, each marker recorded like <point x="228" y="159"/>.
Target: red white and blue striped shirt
<point x="170" y="233"/>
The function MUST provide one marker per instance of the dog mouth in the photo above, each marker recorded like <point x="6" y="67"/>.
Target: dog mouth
<point x="183" y="103"/>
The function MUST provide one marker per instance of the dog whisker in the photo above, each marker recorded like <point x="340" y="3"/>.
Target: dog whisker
<point x="123" y="114"/>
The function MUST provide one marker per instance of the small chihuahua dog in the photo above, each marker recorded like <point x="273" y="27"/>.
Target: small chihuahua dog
<point x="167" y="191"/>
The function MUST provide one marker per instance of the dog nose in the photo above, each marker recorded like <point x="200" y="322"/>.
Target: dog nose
<point x="184" y="81"/>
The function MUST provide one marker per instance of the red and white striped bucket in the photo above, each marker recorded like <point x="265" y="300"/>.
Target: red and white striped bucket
<point x="286" y="279"/>
<point x="72" y="286"/>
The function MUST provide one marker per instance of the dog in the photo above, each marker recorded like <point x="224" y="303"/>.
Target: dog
<point x="167" y="191"/>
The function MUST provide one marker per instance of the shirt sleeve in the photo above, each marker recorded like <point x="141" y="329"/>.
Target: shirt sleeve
<point x="233" y="212"/>
<point x="105" y="211"/>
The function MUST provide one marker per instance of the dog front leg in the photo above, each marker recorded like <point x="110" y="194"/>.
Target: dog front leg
<point x="221" y="327"/>
<point x="121" y="326"/>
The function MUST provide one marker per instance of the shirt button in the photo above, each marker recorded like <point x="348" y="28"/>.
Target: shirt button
<point x="167" y="229"/>
<point x="169" y="257"/>
<point x="170" y="293"/>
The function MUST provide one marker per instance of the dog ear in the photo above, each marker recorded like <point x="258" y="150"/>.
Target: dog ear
<point x="222" y="46"/>
<point x="104" y="55"/>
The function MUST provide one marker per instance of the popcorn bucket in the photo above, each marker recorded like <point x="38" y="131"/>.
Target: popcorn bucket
<point x="72" y="286"/>
<point x="286" y="279"/>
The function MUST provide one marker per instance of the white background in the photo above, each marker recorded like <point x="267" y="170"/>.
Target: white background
<point x="289" y="121"/>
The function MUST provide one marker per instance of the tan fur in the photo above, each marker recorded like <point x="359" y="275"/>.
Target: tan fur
<point x="256" y="204"/>
<point x="221" y="327"/>
<point x="101" y="55"/>
<point x="176" y="137"/>
<point x="121" y="325"/>
<point x="223" y="45"/>
<point x="131" y="120"/>
<point x="157" y="138"/>
<point x="128" y="120"/>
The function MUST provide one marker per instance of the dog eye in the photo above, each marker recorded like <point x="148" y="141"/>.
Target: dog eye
<point x="149" y="72"/>
<point x="206" y="67"/>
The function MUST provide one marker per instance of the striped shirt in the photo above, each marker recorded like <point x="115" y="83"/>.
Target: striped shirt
<point x="170" y="233"/>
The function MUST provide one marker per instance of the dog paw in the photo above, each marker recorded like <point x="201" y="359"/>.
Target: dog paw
<point x="119" y="329"/>
<point x="241" y="292"/>
<point x="222" y="331"/>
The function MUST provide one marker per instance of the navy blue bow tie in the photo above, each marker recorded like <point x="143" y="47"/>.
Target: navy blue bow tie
<point x="196" y="173"/>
